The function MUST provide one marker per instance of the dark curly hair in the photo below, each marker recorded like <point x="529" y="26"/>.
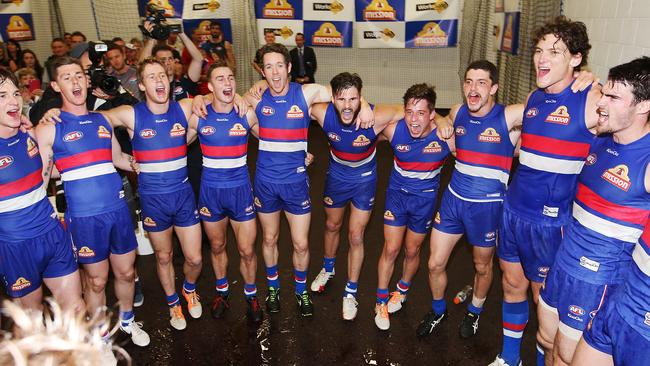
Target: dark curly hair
<point x="420" y="92"/>
<point x="573" y="34"/>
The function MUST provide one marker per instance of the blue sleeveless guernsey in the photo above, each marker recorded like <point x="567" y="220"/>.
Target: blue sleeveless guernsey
<point x="610" y="210"/>
<point x="416" y="162"/>
<point x="83" y="155"/>
<point x="160" y="147"/>
<point x="554" y="144"/>
<point x="284" y="122"/>
<point x="633" y="304"/>
<point x="224" y="143"/>
<point x="352" y="152"/>
<point x="483" y="155"/>
<point x="25" y="211"/>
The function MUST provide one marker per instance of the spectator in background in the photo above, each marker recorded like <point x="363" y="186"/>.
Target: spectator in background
<point x="126" y="74"/>
<point x="14" y="54"/>
<point x="133" y="49"/>
<point x="67" y="37"/>
<point x="59" y="48"/>
<point x="269" y="37"/>
<point x="30" y="60"/>
<point x="119" y="41"/>
<point x="76" y="38"/>
<point x="217" y="48"/>
<point x="303" y="62"/>
<point x="4" y="60"/>
<point x="174" y="42"/>
<point x="30" y="88"/>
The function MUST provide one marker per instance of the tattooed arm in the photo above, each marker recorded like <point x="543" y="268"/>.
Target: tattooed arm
<point x="45" y="138"/>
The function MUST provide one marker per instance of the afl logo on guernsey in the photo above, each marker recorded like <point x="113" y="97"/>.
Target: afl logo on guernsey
<point x="403" y="148"/>
<point x="268" y="111"/>
<point x="237" y="130"/>
<point x="618" y="176"/>
<point x="360" y="141"/>
<point x="103" y="133"/>
<point x="560" y="116"/>
<point x="460" y="130"/>
<point x="591" y="159"/>
<point x="177" y="130"/>
<point x="433" y="147"/>
<point x="532" y="112"/>
<point x="147" y="133"/>
<point x="295" y="112"/>
<point x="5" y="161"/>
<point x="32" y="149"/>
<point x="208" y="130"/>
<point x="334" y="137"/>
<point x="489" y="135"/>
<point x="73" y="136"/>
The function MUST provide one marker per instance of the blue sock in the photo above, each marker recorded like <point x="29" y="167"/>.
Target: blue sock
<point x="540" y="355"/>
<point x="300" y="278"/>
<point x="382" y="296"/>
<point x="189" y="287"/>
<point x="221" y="285"/>
<point x="515" y="317"/>
<point x="172" y="300"/>
<point x="473" y="309"/>
<point x="272" y="277"/>
<point x="250" y="290"/>
<point x="328" y="264"/>
<point x="350" y="289"/>
<point x="403" y="287"/>
<point x="439" y="306"/>
<point x="126" y="318"/>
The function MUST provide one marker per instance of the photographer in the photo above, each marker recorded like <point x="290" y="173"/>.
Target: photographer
<point x="98" y="100"/>
<point x="185" y="85"/>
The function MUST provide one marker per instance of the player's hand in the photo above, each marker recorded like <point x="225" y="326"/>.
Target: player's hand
<point x="583" y="80"/>
<point x="366" y="117"/>
<point x="198" y="106"/>
<point x="309" y="159"/>
<point x="258" y="89"/>
<point x="97" y="92"/>
<point x="241" y="105"/>
<point x="25" y="123"/>
<point x="52" y="116"/>
<point x="444" y="130"/>
<point x="134" y="164"/>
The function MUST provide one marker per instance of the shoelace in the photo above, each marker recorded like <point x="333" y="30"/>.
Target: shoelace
<point x="136" y="327"/>
<point x="305" y="298"/>
<point x="177" y="312"/>
<point x="383" y="311"/>
<point x="395" y="297"/>
<point x="194" y="298"/>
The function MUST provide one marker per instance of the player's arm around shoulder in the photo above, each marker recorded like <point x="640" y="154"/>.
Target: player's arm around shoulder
<point x="389" y="131"/>
<point x="316" y="93"/>
<point x="122" y="116"/>
<point x="385" y="114"/>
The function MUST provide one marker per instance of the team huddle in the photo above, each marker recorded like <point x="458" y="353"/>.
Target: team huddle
<point x="571" y="223"/>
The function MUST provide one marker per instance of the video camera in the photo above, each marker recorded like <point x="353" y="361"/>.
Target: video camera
<point x="161" y="29"/>
<point x="97" y="73"/>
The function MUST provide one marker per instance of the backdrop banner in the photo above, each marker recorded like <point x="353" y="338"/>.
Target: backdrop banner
<point x="16" y="20"/>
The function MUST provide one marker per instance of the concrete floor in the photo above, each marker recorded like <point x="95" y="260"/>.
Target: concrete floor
<point x="287" y="339"/>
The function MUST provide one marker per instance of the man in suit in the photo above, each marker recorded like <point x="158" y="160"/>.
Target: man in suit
<point x="303" y="61"/>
